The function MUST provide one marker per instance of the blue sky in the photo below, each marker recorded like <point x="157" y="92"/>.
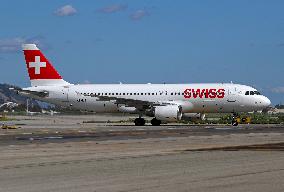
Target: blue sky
<point x="156" y="41"/>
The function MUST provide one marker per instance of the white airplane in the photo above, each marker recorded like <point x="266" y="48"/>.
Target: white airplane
<point x="164" y="102"/>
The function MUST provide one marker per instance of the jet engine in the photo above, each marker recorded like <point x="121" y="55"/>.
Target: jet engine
<point x="193" y="117"/>
<point x="169" y="113"/>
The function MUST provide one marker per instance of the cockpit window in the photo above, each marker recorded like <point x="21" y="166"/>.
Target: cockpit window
<point x="252" y="93"/>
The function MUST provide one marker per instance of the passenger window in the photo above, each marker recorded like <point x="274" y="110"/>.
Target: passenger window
<point x="134" y="93"/>
<point x="172" y="93"/>
<point x="153" y="93"/>
<point x="141" y="93"/>
<point x="130" y="93"/>
<point x="123" y="93"/>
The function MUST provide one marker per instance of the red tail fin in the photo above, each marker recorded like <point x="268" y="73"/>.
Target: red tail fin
<point x="40" y="70"/>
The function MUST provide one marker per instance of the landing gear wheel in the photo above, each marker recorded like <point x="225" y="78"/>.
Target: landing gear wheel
<point x="139" y="121"/>
<point x="155" y="122"/>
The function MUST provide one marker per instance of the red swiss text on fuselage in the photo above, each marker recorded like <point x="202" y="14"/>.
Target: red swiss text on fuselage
<point x="204" y="93"/>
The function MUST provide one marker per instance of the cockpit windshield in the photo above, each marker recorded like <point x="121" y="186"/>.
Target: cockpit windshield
<point x="252" y="93"/>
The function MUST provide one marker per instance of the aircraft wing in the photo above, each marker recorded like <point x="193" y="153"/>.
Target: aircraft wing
<point x="139" y="104"/>
<point x="29" y="92"/>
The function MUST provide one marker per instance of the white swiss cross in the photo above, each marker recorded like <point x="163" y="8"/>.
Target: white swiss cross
<point x="37" y="65"/>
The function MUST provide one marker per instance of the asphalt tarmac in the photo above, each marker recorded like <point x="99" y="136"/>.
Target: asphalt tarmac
<point x="98" y="153"/>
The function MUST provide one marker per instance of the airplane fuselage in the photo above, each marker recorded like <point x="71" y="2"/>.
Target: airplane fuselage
<point x="164" y="102"/>
<point x="193" y="98"/>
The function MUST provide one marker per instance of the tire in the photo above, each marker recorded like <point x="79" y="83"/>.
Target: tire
<point x="139" y="122"/>
<point x="155" y="122"/>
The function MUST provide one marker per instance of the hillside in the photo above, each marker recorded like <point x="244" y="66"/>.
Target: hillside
<point x="7" y="95"/>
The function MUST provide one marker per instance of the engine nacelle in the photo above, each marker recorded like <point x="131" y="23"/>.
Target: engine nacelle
<point x="169" y="113"/>
<point x="193" y="117"/>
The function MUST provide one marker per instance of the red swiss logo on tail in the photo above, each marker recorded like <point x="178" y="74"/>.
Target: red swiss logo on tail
<point x="38" y="66"/>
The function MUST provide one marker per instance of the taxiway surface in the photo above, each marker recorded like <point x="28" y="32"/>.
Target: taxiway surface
<point x="85" y="153"/>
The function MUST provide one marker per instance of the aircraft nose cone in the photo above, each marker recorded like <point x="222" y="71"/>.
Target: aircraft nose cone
<point x="266" y="102"/>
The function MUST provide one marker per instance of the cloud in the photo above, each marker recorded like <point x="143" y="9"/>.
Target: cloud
<point x="66" y="10"/>
<point x="113" y="8"/>
<point x="278" y="90"/>
<point x="13" y="45"/>
<point x="138" y="15"/>
<point x="280" y="45"/>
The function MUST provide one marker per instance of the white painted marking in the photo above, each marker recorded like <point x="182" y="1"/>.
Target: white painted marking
<point x="27" y="133"/>
<point x="37" y="65"/>
<point x="53" y="137"/>
<point x="223" y="128"/>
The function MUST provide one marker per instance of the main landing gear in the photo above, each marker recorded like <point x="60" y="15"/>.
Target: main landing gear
<point x="155" y="122"/>
<point x="141" y="122"/>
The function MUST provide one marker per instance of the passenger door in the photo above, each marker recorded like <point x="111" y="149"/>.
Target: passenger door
<point x="232" y="95"/>
<point x="65" y="92"/>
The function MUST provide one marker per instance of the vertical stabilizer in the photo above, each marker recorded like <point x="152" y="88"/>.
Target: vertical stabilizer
<point x="41" y="71"/>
